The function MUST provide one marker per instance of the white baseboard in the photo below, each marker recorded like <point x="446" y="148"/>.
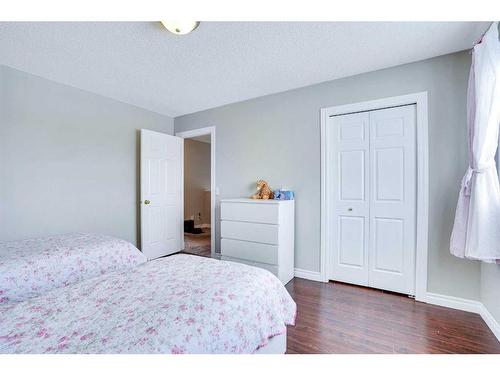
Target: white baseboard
<point x="453" y="302"/>
<point x="309" y="275"/>
<point x="490" y="321"/>
<point x="465" y="305"/>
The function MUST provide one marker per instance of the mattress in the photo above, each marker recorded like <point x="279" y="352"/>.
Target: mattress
<point x="179" y="304"/>
<point x="30" y="268"/>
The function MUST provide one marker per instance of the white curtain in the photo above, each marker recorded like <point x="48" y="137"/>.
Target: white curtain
<point x="476" y="232"/>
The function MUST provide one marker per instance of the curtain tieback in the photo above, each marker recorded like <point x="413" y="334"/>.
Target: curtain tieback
<point x="466" y="182"/>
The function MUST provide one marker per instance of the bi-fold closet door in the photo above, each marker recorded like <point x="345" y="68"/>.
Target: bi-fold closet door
<point x="371" y="182"/>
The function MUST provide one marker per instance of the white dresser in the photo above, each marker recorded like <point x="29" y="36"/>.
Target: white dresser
<point x="259" y="233"/>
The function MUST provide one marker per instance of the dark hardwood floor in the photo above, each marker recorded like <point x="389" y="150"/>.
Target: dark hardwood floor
<point x="341" y="318"/>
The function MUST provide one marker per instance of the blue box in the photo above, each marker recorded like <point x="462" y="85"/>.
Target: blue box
<point x="284" y="195"/>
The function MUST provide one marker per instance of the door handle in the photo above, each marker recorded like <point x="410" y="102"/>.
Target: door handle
<point x="349" y="209"/>
<point x="147" y="202"/>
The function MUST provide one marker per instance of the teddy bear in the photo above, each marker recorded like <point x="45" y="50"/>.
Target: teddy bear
<point x="263" y="191"/>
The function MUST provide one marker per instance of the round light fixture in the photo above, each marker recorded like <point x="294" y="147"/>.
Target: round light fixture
<point x="180" y="27"/>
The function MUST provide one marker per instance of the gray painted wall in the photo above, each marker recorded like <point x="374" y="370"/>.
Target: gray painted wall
<point x="490" y="290"/>
<point x="277" y="137"/>
<point x="197" y="181"/>
<point x="68" y="159"/>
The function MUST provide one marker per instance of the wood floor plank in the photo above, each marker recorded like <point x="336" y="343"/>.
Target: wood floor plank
<point x="341" y="318"/>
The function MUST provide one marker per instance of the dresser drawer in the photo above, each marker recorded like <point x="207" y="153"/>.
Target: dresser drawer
<point x="269" y="267"/>
<point x="267" y="213"/>
<point x="251" y="251"/>
<point x="240" y="230"/>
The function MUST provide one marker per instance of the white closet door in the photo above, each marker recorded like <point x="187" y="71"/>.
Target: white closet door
<point x="393" y="199"/>
<point x="348" y="139"/>
<point x="372" y="190"/>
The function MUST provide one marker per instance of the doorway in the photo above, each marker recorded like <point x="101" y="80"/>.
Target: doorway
<point x="198" y="191"/>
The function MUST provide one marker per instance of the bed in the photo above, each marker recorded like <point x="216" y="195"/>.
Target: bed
<point x="179" y="304"/>
<point x="30" y="268"/>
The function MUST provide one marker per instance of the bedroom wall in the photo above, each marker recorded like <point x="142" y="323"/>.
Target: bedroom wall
<point x="277" y="137"/>
<point x="68" y="159"/>
<point x="197" y="181"/>
<point x="490" y="291"/>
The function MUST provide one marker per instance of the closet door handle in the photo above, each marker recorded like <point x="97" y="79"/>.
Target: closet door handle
<point x="147" y="202"/>
<point x="349" y="209"/>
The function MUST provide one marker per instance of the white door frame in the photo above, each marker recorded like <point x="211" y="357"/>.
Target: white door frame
<point x="420" y="99"/>
<point x="196" y="133"/>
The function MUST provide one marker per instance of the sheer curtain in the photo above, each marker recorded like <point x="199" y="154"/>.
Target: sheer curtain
<point x="476" y="231"/>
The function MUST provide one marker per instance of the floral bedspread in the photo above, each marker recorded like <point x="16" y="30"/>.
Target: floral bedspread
<point x="178" y="304"/>
<point x="30" y="268"/>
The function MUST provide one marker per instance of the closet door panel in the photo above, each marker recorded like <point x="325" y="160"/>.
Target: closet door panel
<point x="348" y="139"/>
<point x="352" y="175"/>
<point x="388" y="238"/>
<point x="351" y="244"/>
<point x="393" y="199"/>
<point x="388" y="174"/>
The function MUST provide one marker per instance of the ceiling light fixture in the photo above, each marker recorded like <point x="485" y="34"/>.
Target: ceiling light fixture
<point x="180" y="27"/>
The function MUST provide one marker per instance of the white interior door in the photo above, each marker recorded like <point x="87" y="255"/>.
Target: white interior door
<point x="372" y="190"/>
<point x="161" y="193"/>
<point x="393" y="199"/>
<point x="349" y="142"/>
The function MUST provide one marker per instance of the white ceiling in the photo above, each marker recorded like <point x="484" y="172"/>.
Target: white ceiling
<point x="221" y="62"/>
